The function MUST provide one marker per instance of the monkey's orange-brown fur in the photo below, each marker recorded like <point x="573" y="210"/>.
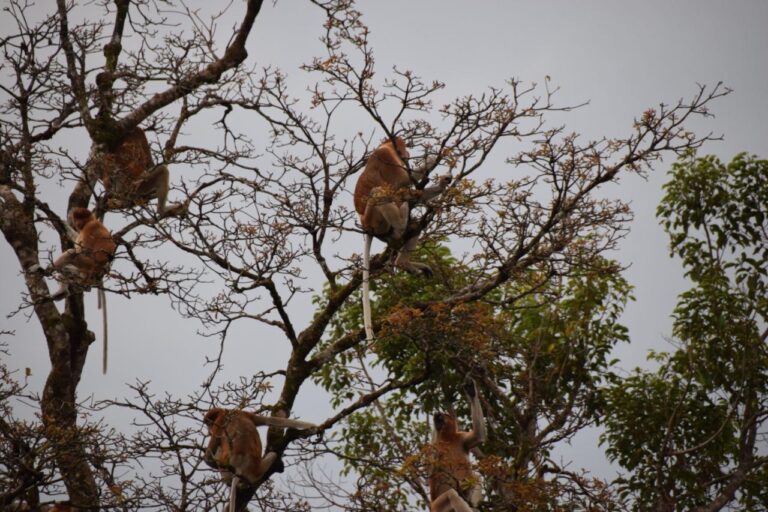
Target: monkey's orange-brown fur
<point x="235" y="445"/>
<point x="452" y="469"/>
<point x="125" y="163"/>
<point x="453" y="486"/>
<point x="94" y="248"/>
<point x="130" y="177"/>
<point x="386" y="171"/>
<point x="87" y="262"/>
<point x="383" y="194"/>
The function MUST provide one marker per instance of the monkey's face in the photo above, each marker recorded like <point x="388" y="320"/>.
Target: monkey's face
<point x="444" y="422"/>
<point x="79" y="217"/>
<point x="212" y="417"/>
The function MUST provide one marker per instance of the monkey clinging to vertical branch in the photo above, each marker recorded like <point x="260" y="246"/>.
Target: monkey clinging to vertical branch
<point x="130" y="177"/>
<point x="453" y="487"/>
<point x="383" y="198"/>
<point x="85" y="264"/>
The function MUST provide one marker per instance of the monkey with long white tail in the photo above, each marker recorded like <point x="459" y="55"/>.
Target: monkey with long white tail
<point x="382" y="196"/>
<point x="234" y="447"/>
<point x="453" y="486"/>
<point x="84" y="265"/>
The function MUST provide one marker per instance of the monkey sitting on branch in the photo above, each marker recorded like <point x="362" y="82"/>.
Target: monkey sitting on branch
<point x="130" y="177"/>
<point x="383" y="198"/>
<point x="234" y="447"/>
<point x="453" y="486"/>
<point x="85" y="264"/>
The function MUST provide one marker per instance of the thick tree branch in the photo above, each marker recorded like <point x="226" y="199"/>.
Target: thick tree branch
<point x="233" y="56"/>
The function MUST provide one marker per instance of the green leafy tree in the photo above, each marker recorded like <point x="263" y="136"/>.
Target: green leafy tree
<point x="690" y="433"/>
<point x="540" y="360"/>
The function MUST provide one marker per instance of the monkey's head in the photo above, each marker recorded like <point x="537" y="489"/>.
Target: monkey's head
<point x="213" y="416"/>
<point x="400" y="147"/>
<point x="444" y="423"/>
<point x="79" y="217"/>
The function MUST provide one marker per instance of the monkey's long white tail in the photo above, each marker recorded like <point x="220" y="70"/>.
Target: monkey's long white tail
<point x="102" y="302"/>
<point x="233" y="494"/>
<point x="367" y="323"/>
<point x="274" y="421"/>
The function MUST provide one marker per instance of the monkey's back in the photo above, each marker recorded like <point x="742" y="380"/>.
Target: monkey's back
<point x="123" y="164"/>
<point x="246" y="445"/>
<point x="95" y="243"/>
<point x="384" y="168"/>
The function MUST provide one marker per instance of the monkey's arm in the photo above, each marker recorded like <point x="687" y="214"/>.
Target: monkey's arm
<point x="210" y="452"/>
<point x="478" y="434"/>
<point x="419" y="173"/>
<point x="434" y="190"/>
<point x="428" y="164"/>
<point x="71" y="233"/>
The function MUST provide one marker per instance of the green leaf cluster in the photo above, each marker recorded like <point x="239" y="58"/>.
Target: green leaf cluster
<point x="541" y="362"/>
<point x="690" y="432"/>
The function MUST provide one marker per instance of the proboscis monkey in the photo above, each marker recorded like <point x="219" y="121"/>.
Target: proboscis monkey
<point x="234" y="447"/>
<point x="86" y="263"/>
<point x="382" y="200"/>
<point x="130" y="177"/>
<point x="453" y="486"/>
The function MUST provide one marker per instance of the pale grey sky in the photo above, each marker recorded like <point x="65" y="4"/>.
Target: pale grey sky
<point x="622" y="56"/>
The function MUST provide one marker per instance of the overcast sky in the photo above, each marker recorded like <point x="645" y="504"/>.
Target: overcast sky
<point x="623" y="57"/>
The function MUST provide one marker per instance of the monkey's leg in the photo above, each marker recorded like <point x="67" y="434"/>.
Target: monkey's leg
<point x="450" y="501"/>
<point x="266" y="462"/>
<point x="66" y="265"/>
<point x="403" y="259"/>
<point x="251" y="467"/>
<point x="156" y="184"/>
<point x="67" y="258"/>
<point x="394" y="218"/>
<point x="404" y="215"/>
<point x="435" y="190"/>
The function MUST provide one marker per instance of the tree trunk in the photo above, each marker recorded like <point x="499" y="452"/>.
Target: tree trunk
<point x="68" y="338"/>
